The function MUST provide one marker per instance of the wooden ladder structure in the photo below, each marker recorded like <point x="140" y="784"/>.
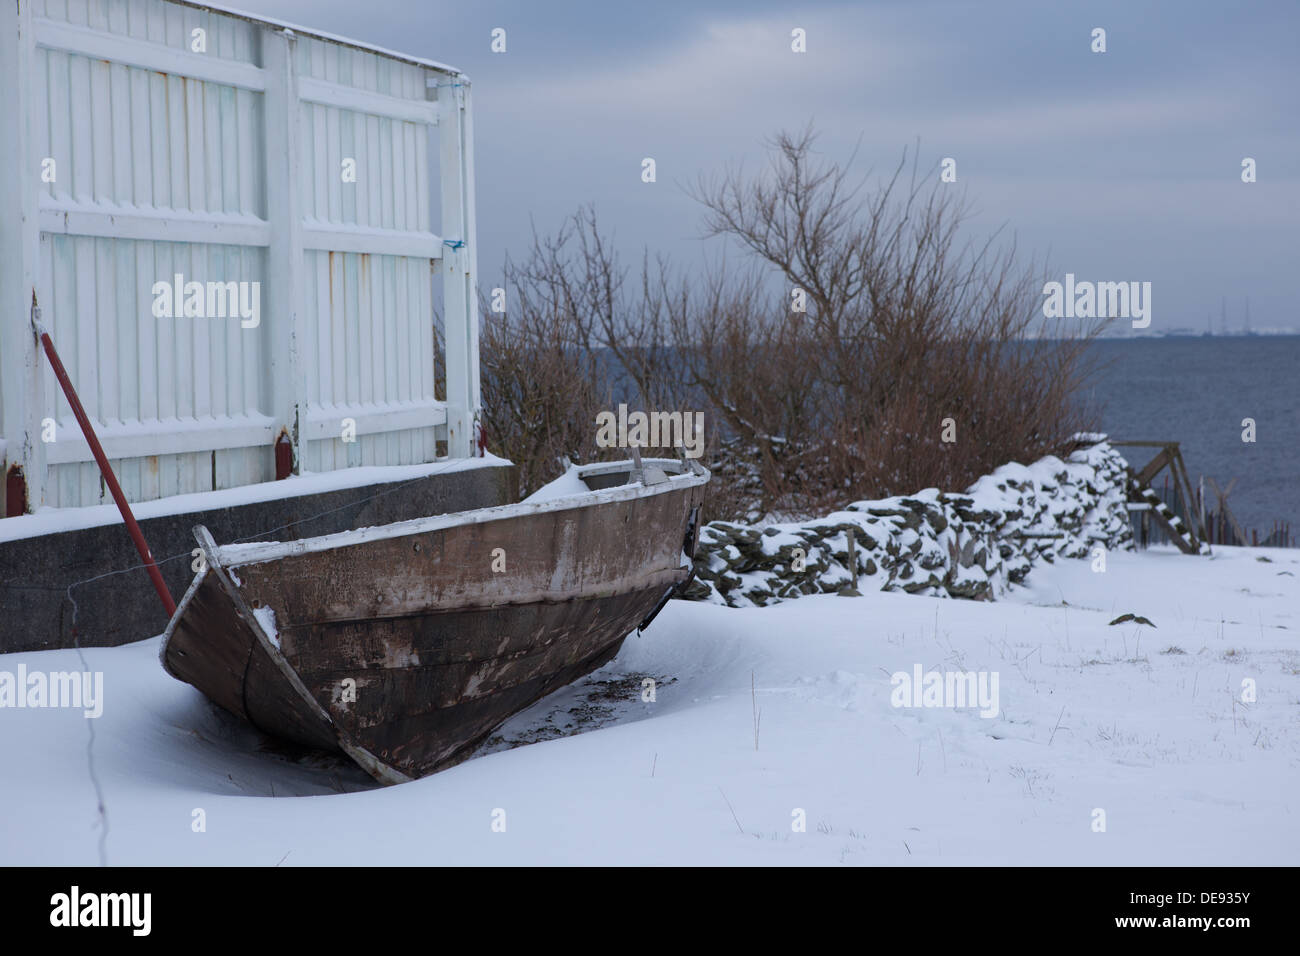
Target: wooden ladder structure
<point x="1188" y="539"/>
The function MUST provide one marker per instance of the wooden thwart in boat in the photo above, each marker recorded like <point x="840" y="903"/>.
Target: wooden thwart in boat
<point x="405" y="645"/>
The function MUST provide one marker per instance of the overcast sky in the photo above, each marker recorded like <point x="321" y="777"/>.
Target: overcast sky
<point x="1117" y="166"/>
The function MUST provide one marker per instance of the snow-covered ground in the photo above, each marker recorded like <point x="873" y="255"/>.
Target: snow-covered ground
<point x="1146" y="723"/>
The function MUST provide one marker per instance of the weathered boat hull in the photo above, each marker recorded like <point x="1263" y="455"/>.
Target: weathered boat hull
<point x="405" y="646"/>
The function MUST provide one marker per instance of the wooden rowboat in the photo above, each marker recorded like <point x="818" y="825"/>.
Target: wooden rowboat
<point x="405" y="645"/>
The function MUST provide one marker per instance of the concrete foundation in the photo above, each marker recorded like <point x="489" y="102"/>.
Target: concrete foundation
<point x="61" y="589"/>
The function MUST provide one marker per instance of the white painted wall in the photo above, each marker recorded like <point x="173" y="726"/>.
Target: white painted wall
<point x="225" y="165"/>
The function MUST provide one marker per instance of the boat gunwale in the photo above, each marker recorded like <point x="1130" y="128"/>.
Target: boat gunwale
<point x="261" y="552"/>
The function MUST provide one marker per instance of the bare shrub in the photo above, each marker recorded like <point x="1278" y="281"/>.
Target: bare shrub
<point x="571" y="335"/>
<point x="907" y="326"/>
<point x="540" y="395"/>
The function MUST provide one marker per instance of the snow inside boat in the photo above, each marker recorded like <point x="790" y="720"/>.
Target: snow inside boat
<point x="405" y="645"/>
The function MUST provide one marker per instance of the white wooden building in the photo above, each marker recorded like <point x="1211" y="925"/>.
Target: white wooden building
<point x="148" y="142"/>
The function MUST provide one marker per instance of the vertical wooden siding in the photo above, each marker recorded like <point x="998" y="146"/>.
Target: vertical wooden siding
<point x="158" y="173"/>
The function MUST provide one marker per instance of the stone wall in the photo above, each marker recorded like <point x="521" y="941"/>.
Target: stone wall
<point x="972" y="545"/>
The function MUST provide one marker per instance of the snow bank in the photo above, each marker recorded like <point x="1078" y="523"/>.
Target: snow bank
<point x="971" y="545"/>
<point x="1147" y="723"/>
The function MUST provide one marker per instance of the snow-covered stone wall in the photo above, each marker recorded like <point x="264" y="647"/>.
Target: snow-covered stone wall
<point x="971" y="545"/>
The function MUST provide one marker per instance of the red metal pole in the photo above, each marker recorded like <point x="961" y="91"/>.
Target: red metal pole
<point x="109" y="478"/>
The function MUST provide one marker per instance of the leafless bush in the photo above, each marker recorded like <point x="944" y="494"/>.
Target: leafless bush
<point x="910" y="336"/>
<point x="570" y="336"/>
<point x="540" y="394"/>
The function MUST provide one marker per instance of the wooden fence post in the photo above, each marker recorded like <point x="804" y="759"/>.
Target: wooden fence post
<point x="459" y="267"/>
<point x="284" y="256"/>
<point x="22" y="393"/>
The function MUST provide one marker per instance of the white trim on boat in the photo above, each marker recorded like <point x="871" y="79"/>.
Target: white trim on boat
<point x="259" y="552"/>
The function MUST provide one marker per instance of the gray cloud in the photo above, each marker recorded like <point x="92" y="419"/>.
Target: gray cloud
<point x="1122" y="165"/>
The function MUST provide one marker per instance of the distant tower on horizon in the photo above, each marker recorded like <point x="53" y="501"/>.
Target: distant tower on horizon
<point x="1247" y="319"/>
<point x="1223" y="316"/>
